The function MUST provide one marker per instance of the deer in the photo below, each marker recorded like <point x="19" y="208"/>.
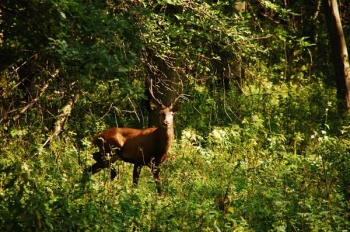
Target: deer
<point x="141" y="147"/>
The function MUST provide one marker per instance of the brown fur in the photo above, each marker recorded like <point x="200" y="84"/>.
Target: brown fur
<point x="137" y="146"/>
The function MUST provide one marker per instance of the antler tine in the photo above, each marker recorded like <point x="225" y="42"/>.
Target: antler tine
<point x="177" y="98"/>
<point x="151" y="92"/>
<point x="183" y="96"/>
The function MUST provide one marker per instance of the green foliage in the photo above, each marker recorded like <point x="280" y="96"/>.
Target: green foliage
<point x="251" y="175"/>
<point x="266" y="153"/>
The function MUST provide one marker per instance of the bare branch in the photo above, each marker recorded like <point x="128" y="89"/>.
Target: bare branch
<point x="42" y="90"/>
<point x="134" y="108"/>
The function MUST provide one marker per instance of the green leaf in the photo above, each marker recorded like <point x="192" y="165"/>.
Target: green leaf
<point x="63" y="15"/>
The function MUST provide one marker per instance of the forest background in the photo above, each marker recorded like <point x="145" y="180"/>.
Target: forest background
<point x="262" y="139"/>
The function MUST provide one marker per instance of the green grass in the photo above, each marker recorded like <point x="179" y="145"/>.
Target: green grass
<point x="208" y="186"/>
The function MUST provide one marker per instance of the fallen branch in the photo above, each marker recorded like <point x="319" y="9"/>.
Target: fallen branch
<point x="62" y="118"/>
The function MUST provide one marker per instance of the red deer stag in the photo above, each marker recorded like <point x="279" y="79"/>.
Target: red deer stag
<point x="140" y="147"/>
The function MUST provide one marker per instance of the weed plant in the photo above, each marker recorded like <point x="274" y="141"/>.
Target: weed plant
<point x="272" y="169"/>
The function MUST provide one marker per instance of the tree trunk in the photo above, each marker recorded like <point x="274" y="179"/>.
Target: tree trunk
<point x="339" y="54"/>
<point x="165" y="80"/>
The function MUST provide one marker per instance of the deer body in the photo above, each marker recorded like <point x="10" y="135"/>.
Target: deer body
<point x="137" y="146"/>
<point x="141" y="147"/>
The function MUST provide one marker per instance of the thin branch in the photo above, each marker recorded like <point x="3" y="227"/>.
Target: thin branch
<point x="134" y="108"/>
<point x="109" y="109"/>
<point x="311" y="62"/>
<point x="42" y="91"/>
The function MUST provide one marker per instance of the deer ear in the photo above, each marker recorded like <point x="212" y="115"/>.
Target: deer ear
<point x="177" y="107"/>
<point x="153" y="106"/>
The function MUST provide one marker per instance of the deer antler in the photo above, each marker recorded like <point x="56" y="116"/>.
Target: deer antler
<point x="151" y="92"/>
<point x="184" y="96"/>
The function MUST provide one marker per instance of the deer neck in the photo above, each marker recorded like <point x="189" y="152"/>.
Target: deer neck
<point x="166" y="137"/>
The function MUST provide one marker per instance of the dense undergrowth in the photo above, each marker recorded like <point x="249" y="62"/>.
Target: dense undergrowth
<point x="280" y="165"/>
<point x="260" y="143"/>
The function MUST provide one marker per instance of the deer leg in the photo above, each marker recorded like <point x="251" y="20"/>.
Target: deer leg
<point x="156" y="175"/>
<point x="108" y="164"/>
<point x="136" y="174"/>
<point x="95" y="168"/>
<point x="97" y="156"/>
<point x="113" y="173"/>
